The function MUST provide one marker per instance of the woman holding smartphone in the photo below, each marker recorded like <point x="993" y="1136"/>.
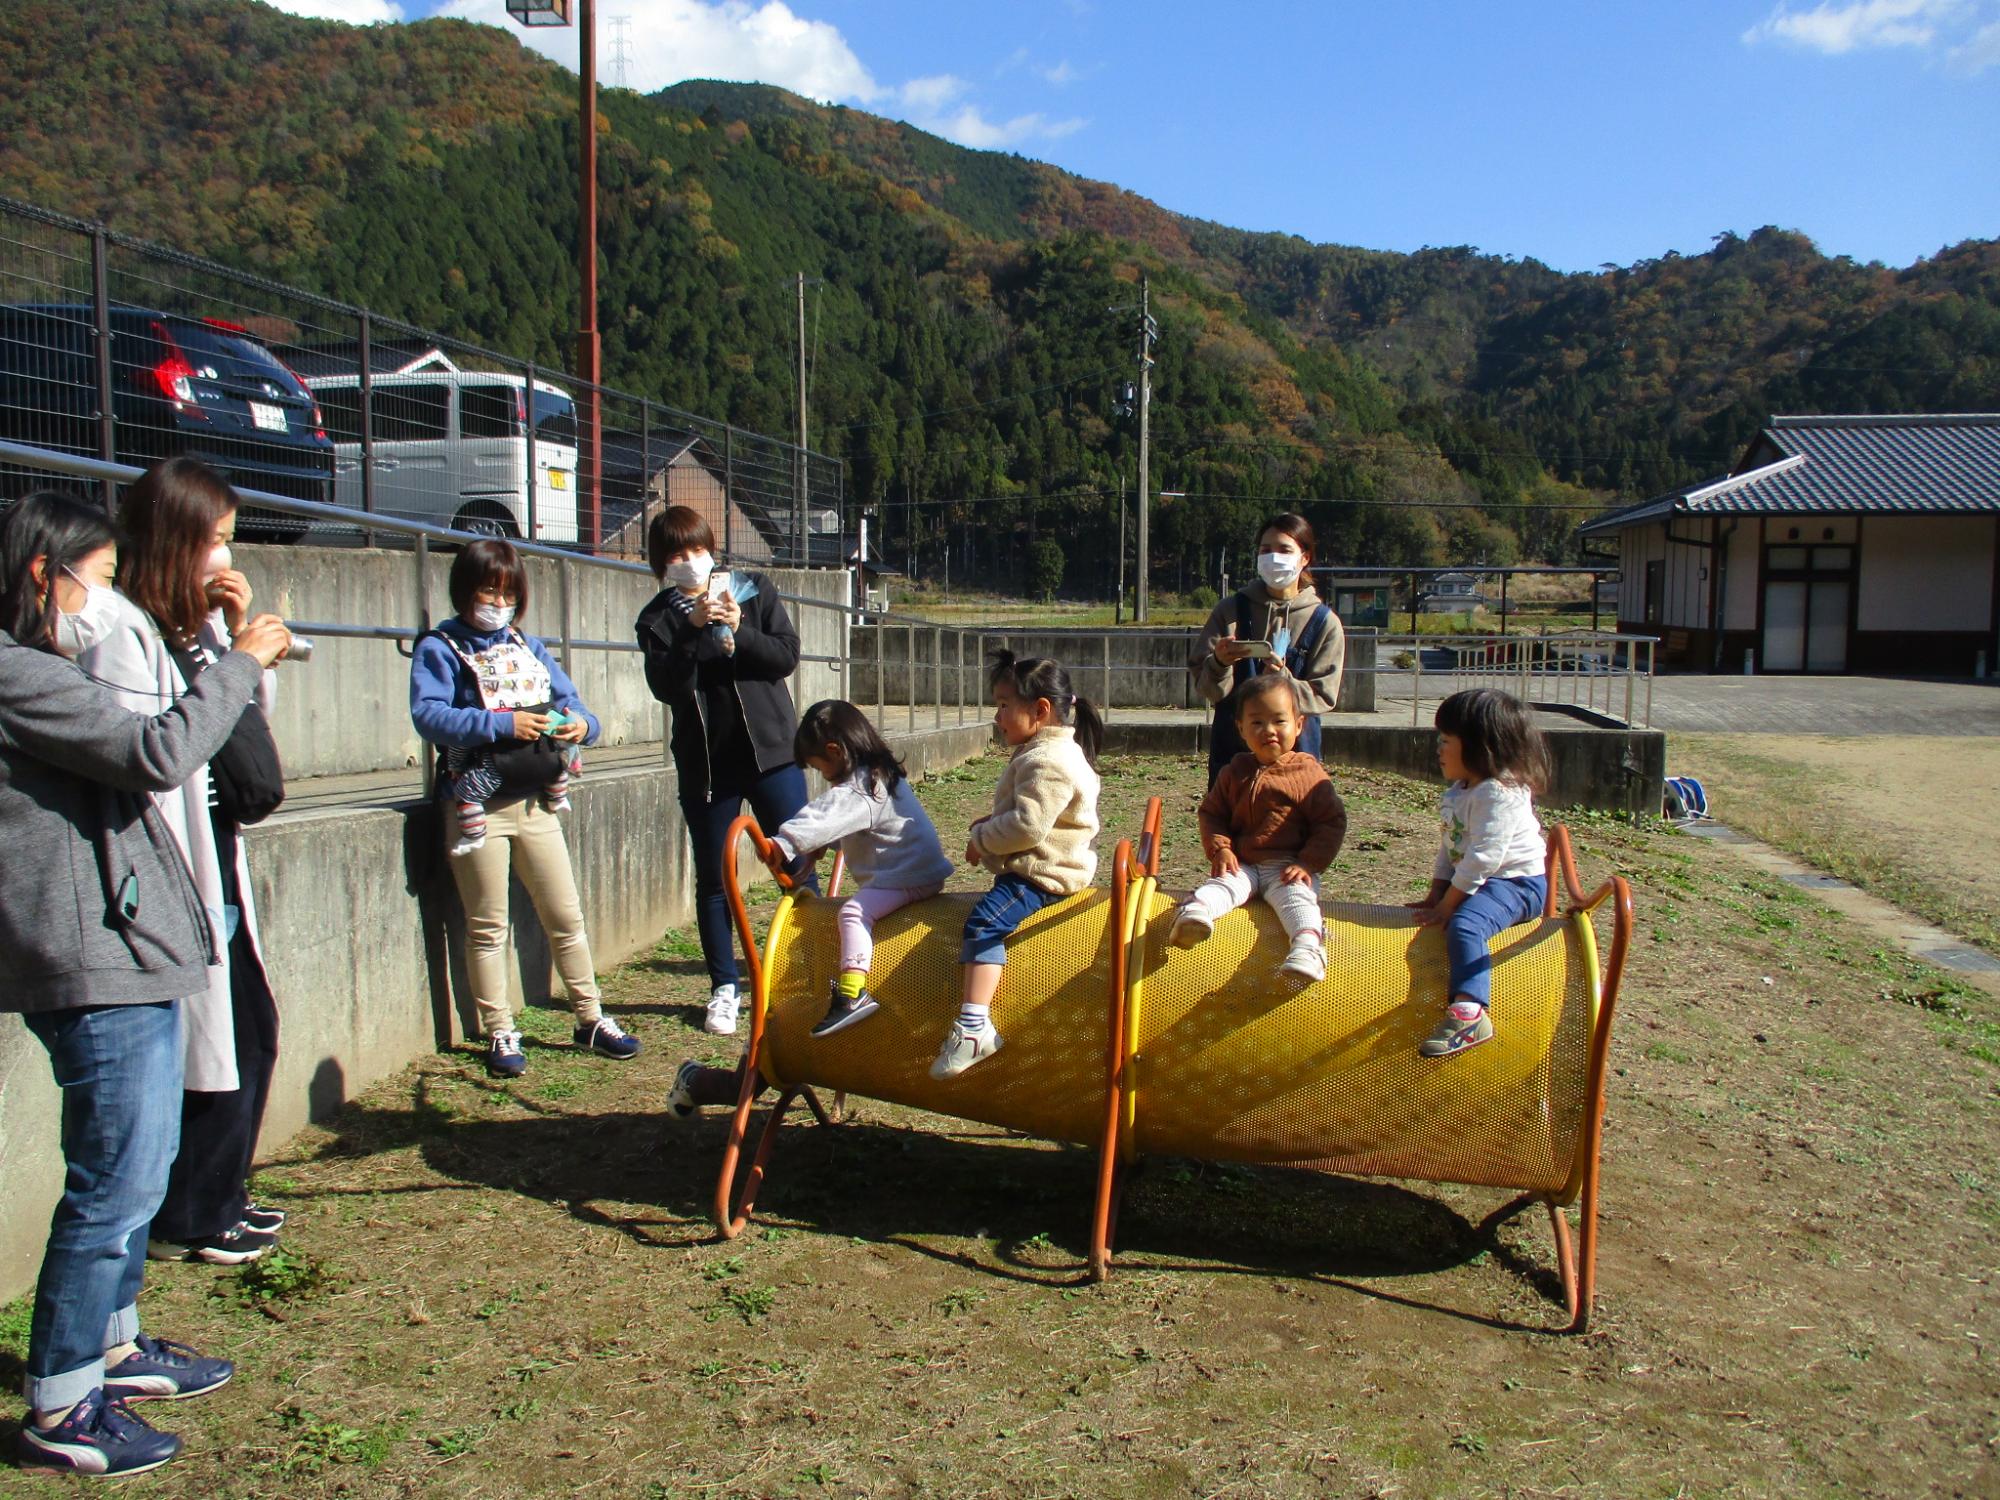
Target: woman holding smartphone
<point x="719" y="657"/>
<point x="1275" y="623"/>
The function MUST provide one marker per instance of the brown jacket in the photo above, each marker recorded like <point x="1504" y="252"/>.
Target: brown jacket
<point x="1286" y="811"/>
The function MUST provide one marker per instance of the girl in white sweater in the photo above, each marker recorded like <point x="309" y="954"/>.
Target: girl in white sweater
<point x="1492" y="863"/>
<point x="892" y="849"/>
<point x="1036" y="841"/>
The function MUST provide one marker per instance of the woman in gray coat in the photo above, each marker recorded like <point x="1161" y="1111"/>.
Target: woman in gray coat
<point x="101" y="934"/>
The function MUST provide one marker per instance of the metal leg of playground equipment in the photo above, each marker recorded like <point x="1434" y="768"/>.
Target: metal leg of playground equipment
<point x="733" y="1217"/>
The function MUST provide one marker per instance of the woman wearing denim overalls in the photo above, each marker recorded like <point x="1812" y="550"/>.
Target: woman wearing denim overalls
<point x="1281" y="609"/>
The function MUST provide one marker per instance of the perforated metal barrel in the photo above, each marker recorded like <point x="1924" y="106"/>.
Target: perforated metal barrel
<point x="1232" y="1063"/>
<point x="1052" y="1013"/>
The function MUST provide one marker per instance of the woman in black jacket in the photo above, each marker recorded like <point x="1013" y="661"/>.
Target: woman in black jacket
<point x="102" y="932"/>
<point x="718" y="658"/>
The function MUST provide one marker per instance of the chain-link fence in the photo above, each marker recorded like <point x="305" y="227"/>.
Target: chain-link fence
<point x="117" y="349"/>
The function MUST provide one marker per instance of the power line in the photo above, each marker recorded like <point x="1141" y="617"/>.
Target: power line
<point x="947" y="411"/>
<point x="1499" y="512"/>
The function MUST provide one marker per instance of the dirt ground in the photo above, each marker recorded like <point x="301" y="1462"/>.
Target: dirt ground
<point x="1908" y="816"/>
<point x="513" y="1290"/>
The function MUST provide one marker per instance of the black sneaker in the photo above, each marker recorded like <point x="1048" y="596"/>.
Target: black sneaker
<point x="232" y="1247"/>
<point x="605" y="1037"/>
<point x="843" y="1011"/>
<point x="503" y="1055"/>
<point x="264" y="1220"/>
<point x="99" y="1436"/>
<point x="165" y="1371"/>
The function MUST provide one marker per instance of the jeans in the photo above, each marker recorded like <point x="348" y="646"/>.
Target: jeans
<point x="527" y="839"/>
<point x="774" y="797"/>
<point x="869" y="905"/>
<point x="995" y="916"/>
<point x="1482" y="916"/>
<point x="1297" y="906"/>
<point x="119" y="1069"/>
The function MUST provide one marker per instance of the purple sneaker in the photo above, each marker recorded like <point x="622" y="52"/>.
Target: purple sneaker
<point x="99" y="1436"/>
<point x="165" y="1371"/>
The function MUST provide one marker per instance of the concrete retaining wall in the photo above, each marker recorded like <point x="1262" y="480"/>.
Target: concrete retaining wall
<point x="348" y="709"/>
<point x="1608" y="770"/>
<point x="364" y="939"/>
<point x="1136" y="668"/>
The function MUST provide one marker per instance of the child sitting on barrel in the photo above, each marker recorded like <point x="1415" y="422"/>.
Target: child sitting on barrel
<point x="891" y="847"/>
<point x="1269" y="825"/>
<point x="1036" y="841"/>
<point x="1492" y="862"/>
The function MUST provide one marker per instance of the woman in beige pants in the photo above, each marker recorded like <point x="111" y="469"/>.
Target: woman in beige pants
<point x="505" y="715"/>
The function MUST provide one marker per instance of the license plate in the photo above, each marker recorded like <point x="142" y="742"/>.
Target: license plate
<point x="558" y="479"/>
<point x="268" y="417"/>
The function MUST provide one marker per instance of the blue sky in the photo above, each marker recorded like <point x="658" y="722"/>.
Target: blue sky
<point x="1576" y="133"/>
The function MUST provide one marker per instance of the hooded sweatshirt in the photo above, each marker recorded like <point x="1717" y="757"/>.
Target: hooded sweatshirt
<point x="1319" y="685"/>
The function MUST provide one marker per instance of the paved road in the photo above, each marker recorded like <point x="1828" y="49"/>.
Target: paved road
<point x="1826" y="705"/>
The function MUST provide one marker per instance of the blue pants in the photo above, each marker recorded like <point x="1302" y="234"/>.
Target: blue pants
<point x="1487" y="912"/>
<point x="119" y="1069"/>
<point x="995" y="916"/>
<point x="774" y="796"/>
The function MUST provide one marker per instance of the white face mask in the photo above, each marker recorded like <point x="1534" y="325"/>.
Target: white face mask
<point x="1279" y="570"/>
<point x="89" y="626"/>
<point x="488" y="618"/>
<point x="691" y="574"/>
<point x="219" y="561"/>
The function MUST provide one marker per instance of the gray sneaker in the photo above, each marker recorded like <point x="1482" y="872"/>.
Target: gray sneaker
<point x="1464" y="1025"/>
<point x="843" y="1011"/>
<point x="962" y="1049"/>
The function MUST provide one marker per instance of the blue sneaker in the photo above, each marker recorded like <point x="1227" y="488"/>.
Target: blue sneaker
<point x="604" y="1037"/>
<point x="165" y="1371"/>
<point x="503" y="1055"/>
<point x="99" y="1436"/>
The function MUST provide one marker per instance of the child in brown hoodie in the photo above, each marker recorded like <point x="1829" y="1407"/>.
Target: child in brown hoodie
<point x="1269" y="825"/>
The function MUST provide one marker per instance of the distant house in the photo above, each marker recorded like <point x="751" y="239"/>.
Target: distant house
<point x="386" y="356"/>
<point x="1452" y="594"/>
<point x="1837" y="544"/>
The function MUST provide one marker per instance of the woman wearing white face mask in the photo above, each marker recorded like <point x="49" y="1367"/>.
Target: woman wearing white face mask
<point x="179" y="602"/>
<point x="508" y="718"/>
<point x="102" y="935"/>
<point x="733" y="717"/>
<point x="1299" y="635"/>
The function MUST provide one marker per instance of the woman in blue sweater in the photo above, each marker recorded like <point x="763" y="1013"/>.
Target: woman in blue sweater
<point x="506" y="713"/>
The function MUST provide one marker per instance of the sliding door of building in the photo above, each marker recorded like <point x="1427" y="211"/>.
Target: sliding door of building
<point x="1808" y="601"/>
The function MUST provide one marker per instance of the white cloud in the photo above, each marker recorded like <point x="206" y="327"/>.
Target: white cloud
<point x="1979" y="52"/>
<point x="1834" y="28"/>
<point x="930" y="95"/>
<point x="1062" y="73"/>
<point x="672" y="40"/>
<point x="969" y="126"/>
<point x="354" y="12"/>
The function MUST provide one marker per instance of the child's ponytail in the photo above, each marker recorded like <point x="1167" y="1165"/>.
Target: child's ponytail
<point x="1035" y="677"/>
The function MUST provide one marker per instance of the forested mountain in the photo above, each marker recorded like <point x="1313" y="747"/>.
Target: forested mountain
<point x="1440" y="406"/>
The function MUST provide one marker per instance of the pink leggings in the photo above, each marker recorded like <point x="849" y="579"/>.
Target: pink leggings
<point x="860" y="913"/>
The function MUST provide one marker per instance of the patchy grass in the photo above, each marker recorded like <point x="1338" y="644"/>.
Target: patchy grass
<point x="1903" y="816"/>
<point x="1795" y="1281"/>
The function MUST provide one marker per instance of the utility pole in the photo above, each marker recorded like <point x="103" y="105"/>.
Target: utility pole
<point x="800" y="502"/>
<point x="1148" y="332"/>
<point x="1118" y="600"/>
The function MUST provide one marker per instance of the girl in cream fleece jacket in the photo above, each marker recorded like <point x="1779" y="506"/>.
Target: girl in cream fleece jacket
<point x="1036" y="841"/>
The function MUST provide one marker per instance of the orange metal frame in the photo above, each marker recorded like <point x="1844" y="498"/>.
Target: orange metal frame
<point x="1576" y="1256"/>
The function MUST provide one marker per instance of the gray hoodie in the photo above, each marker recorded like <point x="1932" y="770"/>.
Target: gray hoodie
<point x="96" y="905"/>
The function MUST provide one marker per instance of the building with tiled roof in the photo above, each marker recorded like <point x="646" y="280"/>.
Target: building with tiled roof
<point x="1837" y="544"/>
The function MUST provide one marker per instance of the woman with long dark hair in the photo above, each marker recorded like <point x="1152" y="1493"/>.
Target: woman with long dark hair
<point x="1276" y="622"/>
<point x="179" y="599"/>
<point x="102" y="932"/>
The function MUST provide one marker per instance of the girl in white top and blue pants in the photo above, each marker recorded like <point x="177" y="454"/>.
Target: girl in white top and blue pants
<point x="1492" y="862"/>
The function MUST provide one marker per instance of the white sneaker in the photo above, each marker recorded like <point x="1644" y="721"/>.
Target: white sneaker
<point x="962" y="1049"/>
<point x="723" y="1005"/>
<point x="680" y="1099"/>
<point x="1306" y="960"/>
<point x="1189" y="928"/>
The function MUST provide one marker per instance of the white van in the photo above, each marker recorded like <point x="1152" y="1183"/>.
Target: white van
<point x="451" y="448"/>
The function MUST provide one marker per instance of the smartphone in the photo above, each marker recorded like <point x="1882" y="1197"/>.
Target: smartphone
<point x="1256" y="650"/>
<point x="719" y="584"/>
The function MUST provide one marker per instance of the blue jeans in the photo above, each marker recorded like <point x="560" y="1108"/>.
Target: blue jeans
<point x="995" y="916"/>
<point x="774" y="797"/>
<point x="119" y="1068"/>
<point x="1487" y="912"/>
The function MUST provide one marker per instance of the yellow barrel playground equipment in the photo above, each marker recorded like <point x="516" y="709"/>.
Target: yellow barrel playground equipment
<point x="1118" y="1041"/>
